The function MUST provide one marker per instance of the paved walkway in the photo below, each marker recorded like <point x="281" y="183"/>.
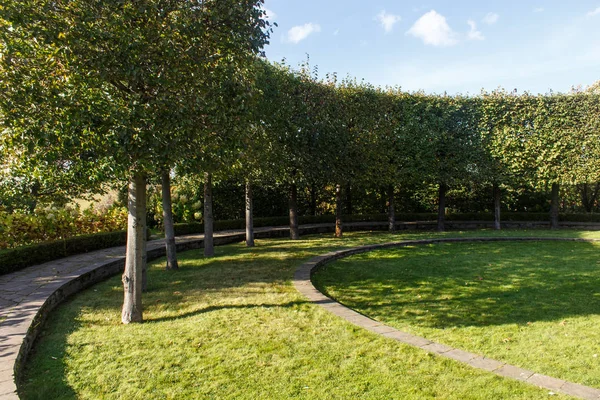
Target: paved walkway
<point x="304" y="285"/>
<point x="27" y="297"/>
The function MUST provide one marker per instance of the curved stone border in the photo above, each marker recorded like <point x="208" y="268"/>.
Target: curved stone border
<point x="303" y="283"/>
<point x="27" y="296"/>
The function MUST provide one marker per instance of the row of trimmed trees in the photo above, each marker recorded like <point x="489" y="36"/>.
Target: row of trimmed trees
<point x="95" y="91"/>
<point x="348" y="133"/>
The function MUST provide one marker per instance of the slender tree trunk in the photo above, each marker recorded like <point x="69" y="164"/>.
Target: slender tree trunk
<point x="583" y="191"/>
<point x="313" y="199"/>
<point x="497" y="203"/>
<point x="209" y="247"/>
<point x="249" y="216"/>
<point x="554" y="206"/>
<point x="293" y="203"/>
<point x="144" y="263"/>
<point x="168" y="221"/>
<point x="441" y="207"/>
<point x="35" y="190"/>
<point x="349" y="207"/>
<point x="339" y="232"/>
<point x="391" y="209"/>
<point x="588" y="196"/>
<point x="135" y="258"/>
<point x="592" y="201"/>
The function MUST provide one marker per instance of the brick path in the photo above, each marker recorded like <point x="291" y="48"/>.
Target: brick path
<point x="27" y="297"/>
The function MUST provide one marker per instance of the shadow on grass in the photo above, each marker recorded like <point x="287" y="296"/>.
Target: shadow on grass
<point x="459" y="285"/>
<point x="45" y="372"/>
<point x="237" y="269"/>
<point x="205" y="310"/>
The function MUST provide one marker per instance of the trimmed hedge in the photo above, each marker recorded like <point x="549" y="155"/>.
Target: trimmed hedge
<point x="12" y="260"/>
<point x="197" y="228"/>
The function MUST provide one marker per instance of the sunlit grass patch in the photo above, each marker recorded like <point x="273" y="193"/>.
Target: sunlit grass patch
<point x="233" y="326"/>
<point x="532" y="304"/>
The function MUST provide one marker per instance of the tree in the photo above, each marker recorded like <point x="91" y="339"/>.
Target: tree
<point x="401" y="145"/>
<point x="285" y="118"/>
<point x="547" y="140"/>
<point x="115" y="83"/>
<point x="452" y="127"/>
<point x="169" y="226"/>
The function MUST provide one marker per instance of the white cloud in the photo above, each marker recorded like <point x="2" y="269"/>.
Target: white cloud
<point x="336" y="32"/>
<point x="594" y="12"/>
<point x="538" y="9"/>
<point x="491" y="18"/>
<point x="433" y="29"/>
<point x="301" y="32"/>
<point x="474" y="34"/>
<point x="387" y="20"/>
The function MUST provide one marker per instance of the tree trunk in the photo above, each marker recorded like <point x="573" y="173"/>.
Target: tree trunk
<point x="583" y="191"/>
<point x="391" y="209"/>
<point x="313" y="199"/>
<point x="554" y="206"/>
<point x="144" y="263"/>
<point x="135" y="258"/>
<point x="35" y="190"/>
<point x="168" y="221"/>
<point x="209" y="247"/>
<point x="497" y="203"/>
<point x="349" y="208"/>
<point x="441" y="207"/>
<point x="588" y="196"/>
<point x="249" y="216"/>
<point x="294" y="230"/>
<point x="338" y="211"/>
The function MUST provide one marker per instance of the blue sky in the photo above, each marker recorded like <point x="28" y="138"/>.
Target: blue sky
<point x="443" y="46"/>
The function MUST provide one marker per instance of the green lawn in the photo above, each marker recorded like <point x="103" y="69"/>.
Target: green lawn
<point x="532" y="304"/>
<point x="233" y="327"/>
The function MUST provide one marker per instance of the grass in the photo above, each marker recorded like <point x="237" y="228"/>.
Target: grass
<point x="234" y="327"/>
<point x="535" y="305"/>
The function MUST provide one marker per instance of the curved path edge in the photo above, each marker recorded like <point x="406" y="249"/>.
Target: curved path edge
<point x="29" y="295"/>
<point x="303" y="283"/>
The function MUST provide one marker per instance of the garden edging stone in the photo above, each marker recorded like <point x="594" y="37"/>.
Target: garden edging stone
<point x="303" y="283"/>
<point x="28" y="296"/>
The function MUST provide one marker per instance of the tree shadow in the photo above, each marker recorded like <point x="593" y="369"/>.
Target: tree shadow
<point x="44" y="375"/>
<point x="504" y="288"/>
<point x="208" y="309"/>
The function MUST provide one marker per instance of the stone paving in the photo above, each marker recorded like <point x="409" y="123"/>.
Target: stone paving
<point x="27" y="296"/>
<point x="303" y="284"/>
<point x="24" y="292"/>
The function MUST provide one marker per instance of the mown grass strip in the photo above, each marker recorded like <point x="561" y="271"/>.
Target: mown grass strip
<point x="533" y="304"/>
<point x="234" y="327"/>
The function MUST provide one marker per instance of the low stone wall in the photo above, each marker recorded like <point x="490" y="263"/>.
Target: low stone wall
<point x="36" y="291"/>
